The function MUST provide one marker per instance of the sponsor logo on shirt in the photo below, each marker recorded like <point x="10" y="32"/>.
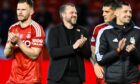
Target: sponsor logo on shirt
<point x="26" y="42"/>
<point x="38" y="42"/>
<point x="28" y="35"/>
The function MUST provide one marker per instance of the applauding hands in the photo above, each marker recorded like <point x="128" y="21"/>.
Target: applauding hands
<point x="80" y="42"/>
<point x="122" y="44"/>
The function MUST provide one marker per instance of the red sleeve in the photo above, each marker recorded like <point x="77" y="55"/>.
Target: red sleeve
<point x="95" y="33"/>
<point x="93" y="38"/>
<point x="38" y="36"/>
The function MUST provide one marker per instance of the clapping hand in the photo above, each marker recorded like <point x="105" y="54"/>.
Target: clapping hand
<point x="80" y="42"/>
<point x="13" y="37"/>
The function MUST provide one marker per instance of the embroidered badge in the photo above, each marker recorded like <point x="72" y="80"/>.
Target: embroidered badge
<point x="132" y="40"/>
<point x="115" y="40"/>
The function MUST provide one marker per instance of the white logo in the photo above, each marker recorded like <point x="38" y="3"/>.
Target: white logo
<point x="115" y="40"/>
<point x="132" y="40"/>
<point x="28" y="35"/>
<point x="38" y="42"/>
<point x="27" y="42"/>
<point x="20" y="36"/>
<point x="92" y="39"/>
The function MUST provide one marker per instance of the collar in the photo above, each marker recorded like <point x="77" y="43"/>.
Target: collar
<point x="124" y="28"/>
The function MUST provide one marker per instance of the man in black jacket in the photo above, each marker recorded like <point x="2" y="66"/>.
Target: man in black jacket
<point x="68" y="43"/>
<point x="118" y="48"/>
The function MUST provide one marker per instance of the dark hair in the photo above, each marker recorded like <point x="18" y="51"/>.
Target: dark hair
<point x="29" y="2"/>
<point x="115" y="4"/>
<point x="63" y="7"/>
<point x="121" y="3"/>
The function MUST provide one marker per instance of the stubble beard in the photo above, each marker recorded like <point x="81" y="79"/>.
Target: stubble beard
<point x="25" y="18"/>
<point x="73" y="21"/>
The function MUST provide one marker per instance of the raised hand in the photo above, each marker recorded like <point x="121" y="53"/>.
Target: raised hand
<point x="83" y="40"/>
<point x="13" y="37"/>
<point x="80" y="42"/>
<point x="121" y="44"/>
<point x="130" y="48"/>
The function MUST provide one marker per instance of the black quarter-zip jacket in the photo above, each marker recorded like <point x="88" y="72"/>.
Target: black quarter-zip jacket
<point x="120" y="68"/>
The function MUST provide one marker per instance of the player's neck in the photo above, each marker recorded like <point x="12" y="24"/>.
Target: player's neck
<point x="119" y="23"/>
<point x="25" y="23"/>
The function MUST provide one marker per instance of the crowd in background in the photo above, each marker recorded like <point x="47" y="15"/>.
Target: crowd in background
<point x="89" y="15"/>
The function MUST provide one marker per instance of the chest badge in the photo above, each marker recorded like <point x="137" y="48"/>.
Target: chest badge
<point x="21" y="36"/>
<point x="28" y="35"/>
<point x="115" y="40"/>
<point x="92" y="39"/>
<point x="132" y="40"/>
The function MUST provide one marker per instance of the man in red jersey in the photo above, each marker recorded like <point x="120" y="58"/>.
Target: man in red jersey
<point x="24" y="44"/>
<point x="108" y="14"/>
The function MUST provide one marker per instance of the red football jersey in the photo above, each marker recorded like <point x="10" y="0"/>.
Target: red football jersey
<point x="25" y="70"/>
<point x="95" y="33"/>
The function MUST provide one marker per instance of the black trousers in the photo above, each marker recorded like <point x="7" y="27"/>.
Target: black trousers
<point x="67" y="80"/>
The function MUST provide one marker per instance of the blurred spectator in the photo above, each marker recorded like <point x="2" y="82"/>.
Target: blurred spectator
<point x="43" y="17"/>
<point x="137" y="14"/>
<point x="1" y="50"/>
<point x="93" y="19"/>
<point x="82" y="14"/>
<point x="94" y="16"/>
<point x="7" y="17"/>
<point x="47" y="32"/>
